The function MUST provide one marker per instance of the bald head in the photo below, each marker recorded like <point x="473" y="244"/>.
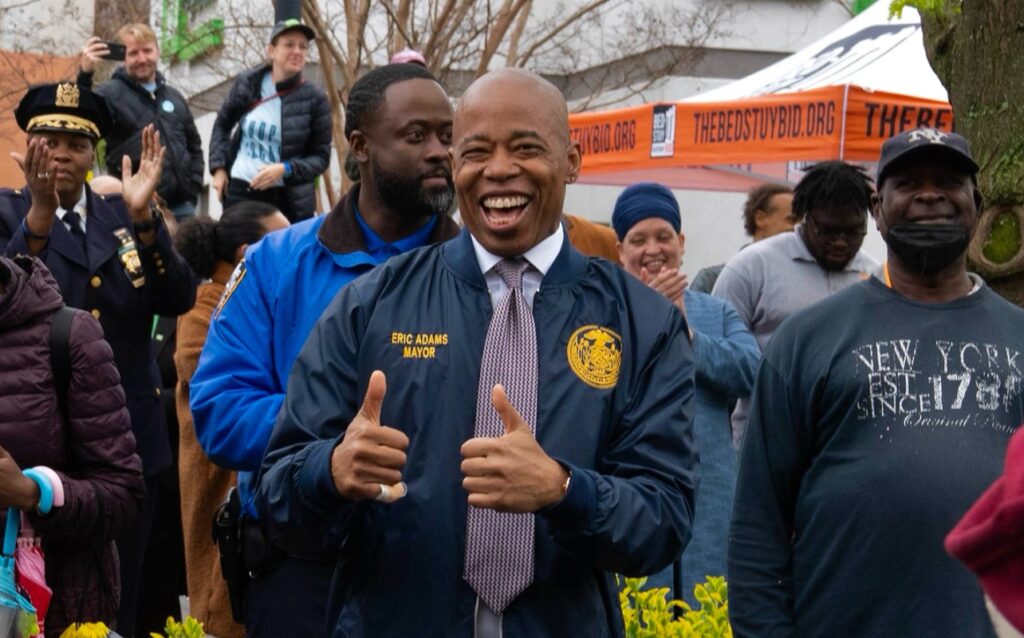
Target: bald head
<point x="105" y="185"/>
<point x="512" y="157"/>
<point x="525" y="86"/>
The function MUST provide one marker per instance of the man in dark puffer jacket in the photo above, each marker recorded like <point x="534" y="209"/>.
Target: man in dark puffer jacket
<point x="138" y="96"/>
<point x="90" y="457"/>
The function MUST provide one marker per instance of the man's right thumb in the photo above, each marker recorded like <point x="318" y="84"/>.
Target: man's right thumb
<point x="374" y="398"/>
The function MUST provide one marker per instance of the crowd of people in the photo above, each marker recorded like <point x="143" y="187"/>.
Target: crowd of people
<point x="395" y="426"/>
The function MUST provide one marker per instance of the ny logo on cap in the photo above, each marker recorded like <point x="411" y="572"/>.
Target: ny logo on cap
<point x="934" y="136"/>
<point x="67" y="95"/>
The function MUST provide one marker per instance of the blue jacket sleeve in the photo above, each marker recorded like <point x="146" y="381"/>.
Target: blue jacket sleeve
<point x="633" y="513"/>
<point x="235" y="393"/>
<point x="727" y="364"/>
<point x="775" y="455"/>
<point x="12" y="239"/>
<point x="296" y="499"/>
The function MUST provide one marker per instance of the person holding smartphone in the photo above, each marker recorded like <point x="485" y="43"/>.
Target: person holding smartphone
<point x="139" y="96"/>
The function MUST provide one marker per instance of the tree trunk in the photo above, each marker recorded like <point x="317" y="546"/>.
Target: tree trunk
<point x="976" y="52"/>
<point x="111" y="15"/>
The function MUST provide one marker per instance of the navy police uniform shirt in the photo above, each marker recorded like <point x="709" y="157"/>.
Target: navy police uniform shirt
<point x="123" y="284"/>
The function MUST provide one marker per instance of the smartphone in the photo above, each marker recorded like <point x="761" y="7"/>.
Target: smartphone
<point x="117" y="51"/>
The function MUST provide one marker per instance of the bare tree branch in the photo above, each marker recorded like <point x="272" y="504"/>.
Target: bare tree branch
<point x="573" y="18"/>
<point x="397" y="22"/>
<point x="517" y="32"/>
<point x="499" y="27"/>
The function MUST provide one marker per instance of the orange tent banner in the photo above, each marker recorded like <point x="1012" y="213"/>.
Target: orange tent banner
<point x="835" y="122"/>
<point x="764" y="129"/>
<point x="872" y="118"/>
<point x="620" y="138"/>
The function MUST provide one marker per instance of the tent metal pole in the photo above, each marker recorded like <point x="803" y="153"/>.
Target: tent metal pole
<point x="842" y="131"/>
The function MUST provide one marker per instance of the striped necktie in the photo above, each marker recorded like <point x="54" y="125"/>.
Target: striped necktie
<point x="499" y="545"/>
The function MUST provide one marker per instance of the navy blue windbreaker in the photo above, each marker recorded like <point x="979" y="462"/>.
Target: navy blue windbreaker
<point x="622" y="423"/>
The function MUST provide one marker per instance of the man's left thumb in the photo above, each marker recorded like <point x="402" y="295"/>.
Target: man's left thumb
<point x="508" y="413"/>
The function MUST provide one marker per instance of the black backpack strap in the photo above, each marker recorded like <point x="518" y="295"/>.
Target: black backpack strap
<point x="60" y="355"/>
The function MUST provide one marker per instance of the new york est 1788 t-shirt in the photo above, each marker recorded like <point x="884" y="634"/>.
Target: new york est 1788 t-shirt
<point x="876" y="422"/>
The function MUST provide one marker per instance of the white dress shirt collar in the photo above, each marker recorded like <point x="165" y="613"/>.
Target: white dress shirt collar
<point x="540" y="258"/>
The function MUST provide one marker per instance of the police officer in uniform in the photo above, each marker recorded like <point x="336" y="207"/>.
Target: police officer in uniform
<point x="111" y="255"/>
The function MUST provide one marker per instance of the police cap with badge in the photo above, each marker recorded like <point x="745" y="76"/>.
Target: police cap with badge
<point x="64" y="107"/>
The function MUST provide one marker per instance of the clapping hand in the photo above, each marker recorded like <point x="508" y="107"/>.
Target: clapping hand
<point x="138" y="188"/>
<point x="368" y="462"/>
<point x="670" y="283"/>
<point x="40" y="173"/>
<point x="511" y="473"/>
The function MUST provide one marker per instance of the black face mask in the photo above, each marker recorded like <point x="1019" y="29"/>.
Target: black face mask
<point x="927" y="248"/>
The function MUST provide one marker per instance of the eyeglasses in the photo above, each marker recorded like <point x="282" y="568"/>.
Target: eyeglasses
<point x="831" y="233"/>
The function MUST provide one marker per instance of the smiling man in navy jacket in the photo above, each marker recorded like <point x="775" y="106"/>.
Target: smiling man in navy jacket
<point x="388" y="475"/>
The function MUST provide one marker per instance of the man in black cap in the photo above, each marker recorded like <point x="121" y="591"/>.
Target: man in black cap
<point x="878" y="417"/>
<point x="110" y="255"/>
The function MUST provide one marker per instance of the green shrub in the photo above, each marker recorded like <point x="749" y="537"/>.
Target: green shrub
<point x="648" y="613"/>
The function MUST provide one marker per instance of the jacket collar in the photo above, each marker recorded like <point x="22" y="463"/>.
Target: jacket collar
<point x="340" y="233"/>
<point x="280" y="86"/>
<point x="121" y="74"/>
<point x="567" y="268"/>
<point x="99" y="232"/>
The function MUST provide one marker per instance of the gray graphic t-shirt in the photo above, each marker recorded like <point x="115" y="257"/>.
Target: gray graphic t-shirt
<point x="261" y="135"/>
<point x="876" y="422"/>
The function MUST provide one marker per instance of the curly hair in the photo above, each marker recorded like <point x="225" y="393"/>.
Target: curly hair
<point x="757" y="200"/>
<point x="833" y="186"/>
<point x="202" y="242"/>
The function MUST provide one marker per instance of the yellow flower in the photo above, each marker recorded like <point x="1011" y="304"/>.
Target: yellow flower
<point x="86" y="630"/>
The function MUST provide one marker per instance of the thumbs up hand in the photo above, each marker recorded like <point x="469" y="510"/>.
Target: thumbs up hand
<point x="368" y="462"/>
<point x="511" y="473"/>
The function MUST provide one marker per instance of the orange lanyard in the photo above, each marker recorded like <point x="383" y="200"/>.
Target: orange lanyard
<point x="885" y="271"/>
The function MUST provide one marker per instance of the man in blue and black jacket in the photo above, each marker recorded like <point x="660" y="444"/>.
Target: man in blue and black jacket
<point x="602" y="474"/>
<point x="399" y="124"/>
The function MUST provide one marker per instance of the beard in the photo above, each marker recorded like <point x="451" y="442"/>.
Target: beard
<point x="407" y="196"/>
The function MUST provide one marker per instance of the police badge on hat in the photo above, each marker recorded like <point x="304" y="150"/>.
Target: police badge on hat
<point x="129" y="256"/>
<point x="64" y="107"/>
